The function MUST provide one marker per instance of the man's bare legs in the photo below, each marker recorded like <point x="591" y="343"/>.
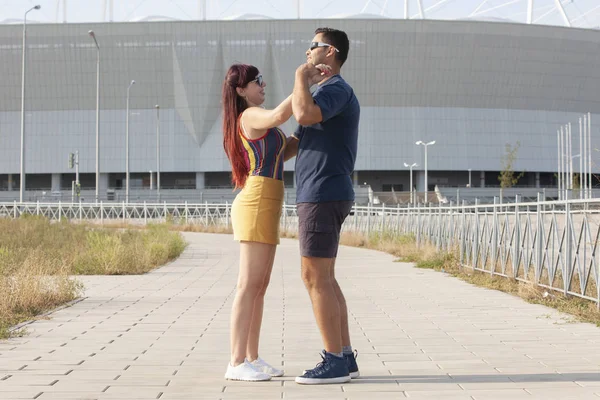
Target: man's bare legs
<point x="317" y="276"/>
<point x="345" y="330"/>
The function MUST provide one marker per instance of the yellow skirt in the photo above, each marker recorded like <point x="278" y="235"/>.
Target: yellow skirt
<point x="256" y="210"/>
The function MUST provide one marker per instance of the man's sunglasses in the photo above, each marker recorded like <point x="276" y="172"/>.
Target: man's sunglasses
<point x="258" y="80"/>
<point x="314" y="45"/>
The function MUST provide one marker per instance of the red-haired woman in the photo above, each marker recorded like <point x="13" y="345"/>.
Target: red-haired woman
<point x="255" y="147"/>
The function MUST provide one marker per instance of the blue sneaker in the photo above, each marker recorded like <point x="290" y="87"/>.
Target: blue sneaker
<point x="352" y="365"/>
<point x="331" y="370"/>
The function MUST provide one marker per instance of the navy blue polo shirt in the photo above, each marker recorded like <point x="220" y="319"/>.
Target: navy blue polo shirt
<point x="327" y="150"/>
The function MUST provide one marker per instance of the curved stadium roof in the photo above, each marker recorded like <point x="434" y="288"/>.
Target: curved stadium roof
<point x="570" y="13"/>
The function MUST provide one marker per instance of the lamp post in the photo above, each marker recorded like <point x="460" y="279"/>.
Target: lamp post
<point x="157" y="152"/>
<point x="127" y="147"/>
<point x="93" y="35"/>
<point x="425" y="145"/>
<point x="23" y="69"/>
<point x="411" y="181"/>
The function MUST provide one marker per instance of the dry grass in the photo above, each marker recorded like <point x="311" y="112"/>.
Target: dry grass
<point x="174" y="227"/>
<point x="38" y="259"/>
<point x="404" y="247"/>
<point x="38" y="284"/>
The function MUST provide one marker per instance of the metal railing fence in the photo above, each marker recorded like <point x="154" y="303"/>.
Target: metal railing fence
<point x="552" y="244"/>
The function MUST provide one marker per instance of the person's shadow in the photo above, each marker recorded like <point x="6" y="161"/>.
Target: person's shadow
<point x="433" y="379"/>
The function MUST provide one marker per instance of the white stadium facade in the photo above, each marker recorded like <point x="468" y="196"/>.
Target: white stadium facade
<point x="473" y="85"/>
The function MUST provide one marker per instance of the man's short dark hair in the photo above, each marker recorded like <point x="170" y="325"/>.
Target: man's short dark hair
<point x="337" y="39"/>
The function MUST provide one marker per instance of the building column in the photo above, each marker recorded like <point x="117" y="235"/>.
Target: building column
<point x="355" y="178"/>
<point x="419" y="180"/>
<point x="55" y="182"/>
<point x="10" y="182"/>
<point x="537" y="179"/>
<point x="200" y="180"/>
<point x="482" y="179"/>
<point x="103" y="184"/>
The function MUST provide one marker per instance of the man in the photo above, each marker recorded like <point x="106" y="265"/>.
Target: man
<point x="326" y="142"/>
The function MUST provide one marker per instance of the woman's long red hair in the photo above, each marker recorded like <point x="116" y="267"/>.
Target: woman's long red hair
<point x="238" y="75"/>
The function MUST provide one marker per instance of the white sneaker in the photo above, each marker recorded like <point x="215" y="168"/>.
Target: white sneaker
<point x="263" y="366"/>
<point x="245" y="372"/>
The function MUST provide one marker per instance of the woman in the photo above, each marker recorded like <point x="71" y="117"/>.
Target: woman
<point x="255" y="147"/>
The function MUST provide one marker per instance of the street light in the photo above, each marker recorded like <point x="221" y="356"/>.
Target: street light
<point x="93" y="35"/>
<point x="127" y="147"/>
<point x="425" y="145"/>
<point x="157" y="152"/>
<point x="411" y="182"/>
<point x="22" y="183"/>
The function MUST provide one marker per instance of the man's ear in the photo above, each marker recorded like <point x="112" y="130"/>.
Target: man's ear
<point x="331" y="52"/>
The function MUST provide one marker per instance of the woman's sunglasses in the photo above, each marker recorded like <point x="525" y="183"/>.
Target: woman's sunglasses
<point x="258" y="79"/>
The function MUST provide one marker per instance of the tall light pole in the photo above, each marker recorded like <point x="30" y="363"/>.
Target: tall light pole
<point x="127" y="146"/>
<point x="411" y="183"/>
<point x="425" y="145"/>
<point x="157" y="151"/>
<point x="23" y="69"/>
<point x="91" y="33"/>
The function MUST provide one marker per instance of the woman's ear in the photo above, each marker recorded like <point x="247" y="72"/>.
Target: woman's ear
<point x="240" y="92"/>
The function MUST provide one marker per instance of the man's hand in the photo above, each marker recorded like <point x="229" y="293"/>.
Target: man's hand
<point x="314" y="73"/>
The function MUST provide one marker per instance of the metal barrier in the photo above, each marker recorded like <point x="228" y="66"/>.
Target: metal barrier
<point x="550" y="244"/>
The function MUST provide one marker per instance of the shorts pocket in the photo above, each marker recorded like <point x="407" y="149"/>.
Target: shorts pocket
<point x="319" y="227"/>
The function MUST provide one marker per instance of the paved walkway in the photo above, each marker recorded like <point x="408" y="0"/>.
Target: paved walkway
<point x="420" y="334"/>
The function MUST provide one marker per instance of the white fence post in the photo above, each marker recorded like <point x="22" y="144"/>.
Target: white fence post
<point x="227" y="214"/>
<point x="567" y="270"/>
<point x="284" y="211"/>
<point x="418" y="209"/>
<point x="368" y="220"/>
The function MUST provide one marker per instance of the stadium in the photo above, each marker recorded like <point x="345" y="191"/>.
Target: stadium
<point x="472" y="84"/>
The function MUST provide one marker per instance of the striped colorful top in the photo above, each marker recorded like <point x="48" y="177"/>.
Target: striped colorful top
<point x="264" y="156"/>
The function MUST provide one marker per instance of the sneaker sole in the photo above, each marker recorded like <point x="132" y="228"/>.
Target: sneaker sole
<point x="322" y="381"/>
<point x="278" y="375"/>
<point x="248" y="379"/>
<point x="353" y="375"/>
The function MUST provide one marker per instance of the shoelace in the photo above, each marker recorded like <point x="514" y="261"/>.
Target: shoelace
<point x="320" y="366"/>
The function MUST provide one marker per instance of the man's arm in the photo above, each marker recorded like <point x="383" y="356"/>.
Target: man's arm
<point x="328" y="102"/>
<point x="304" y="108"/>
<point x="291" y="148"/>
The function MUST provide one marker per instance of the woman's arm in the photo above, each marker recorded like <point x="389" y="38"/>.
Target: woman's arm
<point x="291" y="148"/>
<point x="257" y="120"/>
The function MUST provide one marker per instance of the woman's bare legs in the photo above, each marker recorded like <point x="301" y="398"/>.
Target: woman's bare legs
<point x="254" y="336"/>
<point x="255" y="263"/>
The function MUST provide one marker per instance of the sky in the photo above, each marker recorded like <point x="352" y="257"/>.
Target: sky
<point x="127" y="10"/>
